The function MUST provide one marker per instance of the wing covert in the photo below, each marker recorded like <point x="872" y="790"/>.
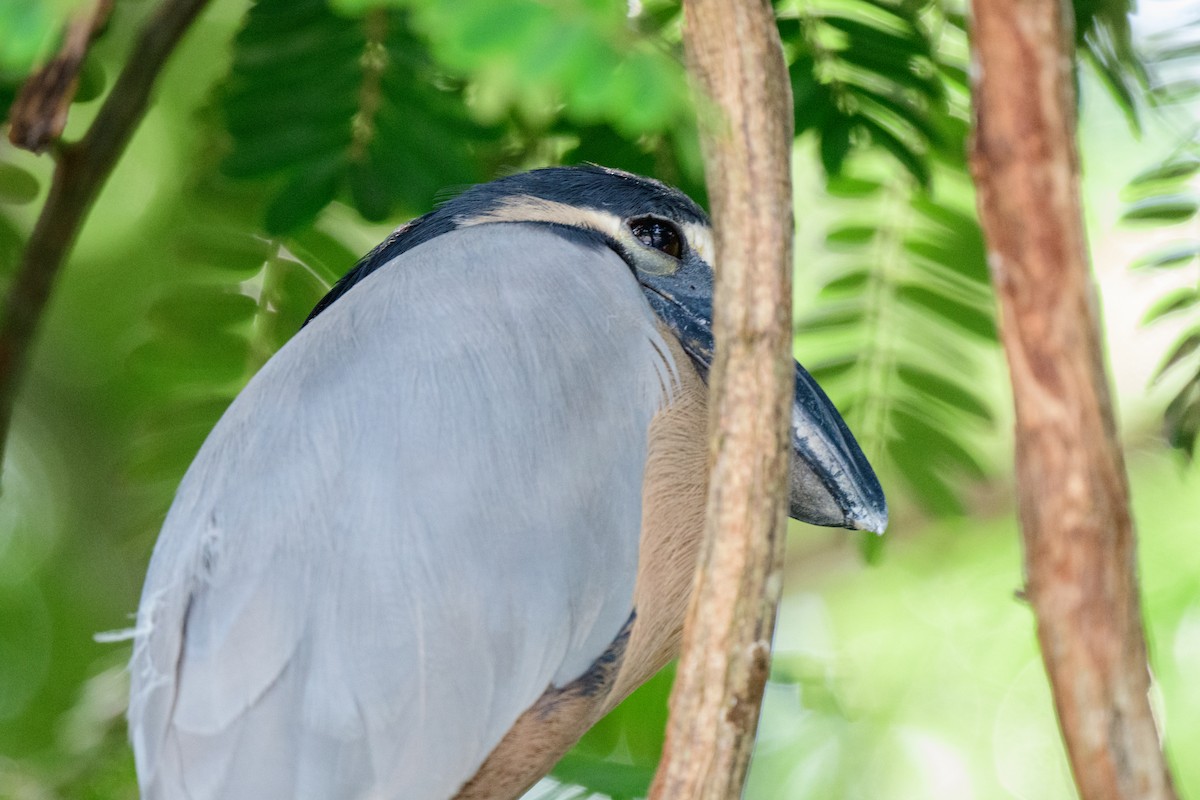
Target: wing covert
<point x="419" y="515"/>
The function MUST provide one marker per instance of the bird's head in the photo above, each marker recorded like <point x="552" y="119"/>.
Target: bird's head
<point x="666" y="240"/>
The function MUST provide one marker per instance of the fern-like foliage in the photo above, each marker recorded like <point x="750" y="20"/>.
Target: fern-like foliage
<point x="864" y="73"/>
<point x="1166" y="194"/>
<point x="242" y="297"/>
<point x="903" y="318"/>
<point x="340" y="106"/>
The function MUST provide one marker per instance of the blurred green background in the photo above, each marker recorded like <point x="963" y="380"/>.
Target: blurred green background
<point x="287" y="138"/>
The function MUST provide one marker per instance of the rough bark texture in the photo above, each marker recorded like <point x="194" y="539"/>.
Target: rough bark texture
<point x="736" y="59"/>
<point x="83" y="167"/>
<point x="1074" y="511"/>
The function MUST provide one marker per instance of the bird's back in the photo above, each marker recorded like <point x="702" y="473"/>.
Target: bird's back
<point x="422" y="513"/>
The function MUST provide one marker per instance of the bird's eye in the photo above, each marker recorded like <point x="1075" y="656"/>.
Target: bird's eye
<point x="659" y="234"/>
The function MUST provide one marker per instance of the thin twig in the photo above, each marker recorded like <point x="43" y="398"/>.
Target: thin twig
<point x="82" y="169"/>
<point x="735" y="54"/>
<point x="1080" y="548"/>
<point x="39" y="112"/>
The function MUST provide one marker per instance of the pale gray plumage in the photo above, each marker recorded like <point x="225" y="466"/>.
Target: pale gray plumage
<point x="455" y="519"/>
<point x="303" y="637"/>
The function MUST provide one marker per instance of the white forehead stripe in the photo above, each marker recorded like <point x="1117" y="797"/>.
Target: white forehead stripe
<point x="700" y="239"/>
<point x="525" y="208"/>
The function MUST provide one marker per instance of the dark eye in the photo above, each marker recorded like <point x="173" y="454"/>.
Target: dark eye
<point x="659" y="234"/>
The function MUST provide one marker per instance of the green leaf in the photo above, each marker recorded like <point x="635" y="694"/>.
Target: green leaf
<point x="890" y="111"/>
<point x="603" y="776"/>
<point x="930" y="383"/>
<point x="835" y="144"/>
<point x="222" y="247"/>
<point x="1162" y="209"/>
<point x="346" y="107"/>
<point x="848" y="188"/>
<point x="914" y="162"/>
<point x="219" y="358"/>
<point x="17" y="185"/>
<point x="898" y="43"/>
<point x="852" y="282"/>
<point x="1176" y="254"/>
<point x="1182" y="418"/>
<point x="831" y="316"/>
<point x="1178" y="300"/>
<point x="92" y="80"/>
<point x="1179" y="353"/>
<point x="201" y="310"/>
<point x="303" y="197"/>
<point x="961" y="314"/>
<point x="831" y="369"/>
<point x="849" y="236"/>
<point x="924" y="436"/>
<point x="918" y="473"/>
<point x="324" y="255"/>
<point x="1175" y="169"/>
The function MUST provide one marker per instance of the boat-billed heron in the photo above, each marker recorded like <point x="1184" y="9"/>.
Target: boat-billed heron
<point x="454" y="520"/>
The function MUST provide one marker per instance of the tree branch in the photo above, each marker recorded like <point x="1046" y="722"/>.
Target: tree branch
<point x="1073" y="494"/>
<point x="736" y="58"/>
<point x="82" y="169"/>
<point x="39" y="113"/>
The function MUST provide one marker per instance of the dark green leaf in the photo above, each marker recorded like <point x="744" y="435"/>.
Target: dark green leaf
<point x="11" y="245"/>
<point x="219" y="358"/>
<point x="1175" y="169"/>
<point x="831" y="369"/>
<point x="1183" y="348"/>
<point x="870" y="547"/>
<point x="287" y="146"/>
<point x="900" y="44"/>
<point x="604" y="776"/>
<point x="949" y="392"/>
<point x="835" y="144"/>
<point x="225" y="248"/>
<point x="325" y="256"/>
<point x="914" y="162"/>
<point x="901" y="112"/>
<point x="917" y="471"/>
<point x="1182" y="418"/>
<point x="1162" y="209"/>
<point x="201" y="310"/>
<point x="926" y="437"/>
<point x="963" y="315"/>
<point x="17" y="185"/>
<point x="894" y="69"/>
<point x="303" y="198"/>
<point x="831" y="316"/>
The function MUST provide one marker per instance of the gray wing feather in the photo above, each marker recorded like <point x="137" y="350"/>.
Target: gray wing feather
<point x="421" y="513"/>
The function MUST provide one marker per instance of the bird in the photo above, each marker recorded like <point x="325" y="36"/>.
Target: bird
<point x="455" y="519"/>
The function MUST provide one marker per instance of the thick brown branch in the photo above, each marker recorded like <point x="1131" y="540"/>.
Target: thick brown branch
<point x="1074" y="510"/>
<point x="736" y="58"/>
<point x="82" y="169"/>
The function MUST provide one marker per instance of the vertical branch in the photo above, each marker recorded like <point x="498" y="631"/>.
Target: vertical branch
<point x="1074" y="510"/>
<point x="82" y="169"/>
<point x="736" y="59"/>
